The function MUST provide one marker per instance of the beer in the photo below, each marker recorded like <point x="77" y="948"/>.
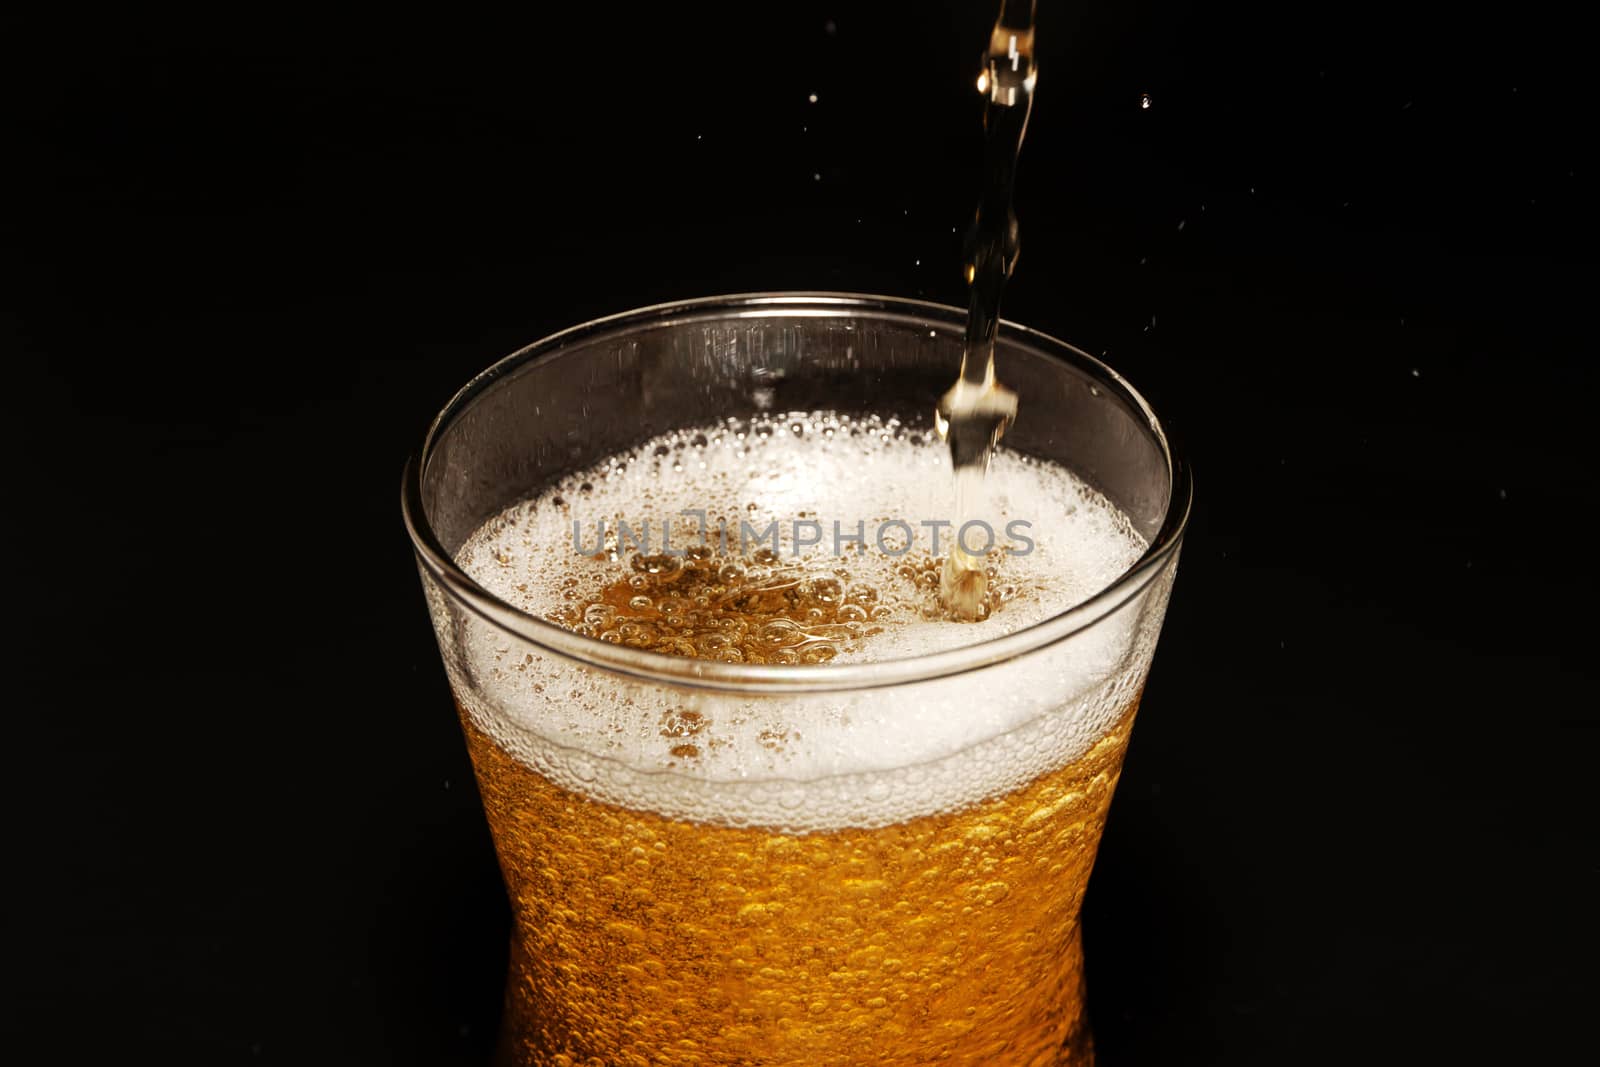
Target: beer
<point x="948" y="938"/>
<point x="873" y="876"/>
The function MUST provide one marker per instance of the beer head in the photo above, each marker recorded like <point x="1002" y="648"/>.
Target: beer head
<point x="810" y="538"/>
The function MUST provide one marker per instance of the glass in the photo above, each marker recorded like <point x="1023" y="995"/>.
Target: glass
<point x="898" y="911"/>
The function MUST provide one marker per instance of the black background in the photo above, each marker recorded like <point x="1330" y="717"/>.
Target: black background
<point x="1347" y="251"/>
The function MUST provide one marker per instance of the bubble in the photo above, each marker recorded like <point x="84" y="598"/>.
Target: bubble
<point x="781" y="632"/>
<point x="637" y="634"/>
<point x="660" y="565"/>
<point x="710" y="644"/>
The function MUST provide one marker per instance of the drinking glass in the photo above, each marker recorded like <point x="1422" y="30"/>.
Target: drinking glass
<point x="914" y="895"/>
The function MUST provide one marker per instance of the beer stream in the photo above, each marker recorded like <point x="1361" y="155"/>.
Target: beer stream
<point x="976" y="410"/>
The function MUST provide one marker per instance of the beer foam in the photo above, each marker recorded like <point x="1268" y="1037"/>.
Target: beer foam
<point x="807" y="762"/>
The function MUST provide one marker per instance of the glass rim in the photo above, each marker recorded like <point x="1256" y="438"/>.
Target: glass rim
<point x="683" y="672"/>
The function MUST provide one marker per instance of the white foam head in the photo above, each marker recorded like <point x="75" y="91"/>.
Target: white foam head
<point x="814" y="761"/>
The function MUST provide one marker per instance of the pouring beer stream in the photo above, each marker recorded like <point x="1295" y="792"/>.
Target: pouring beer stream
<point x="974" y="413"/>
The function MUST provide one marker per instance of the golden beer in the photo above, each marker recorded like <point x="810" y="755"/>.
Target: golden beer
<point x="951" y="938"/>
<point x="872" y="877"/>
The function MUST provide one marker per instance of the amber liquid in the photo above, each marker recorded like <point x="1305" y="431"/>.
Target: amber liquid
<point x="951" y="938"/>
